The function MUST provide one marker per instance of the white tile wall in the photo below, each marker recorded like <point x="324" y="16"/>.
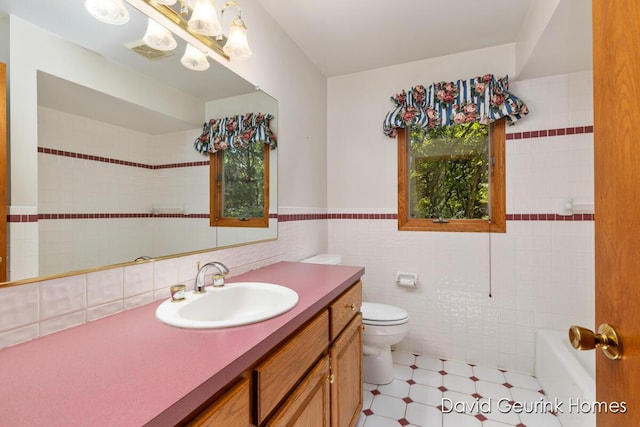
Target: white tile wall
<point x="138" y="279"/>
<point x="19" y="307"/>
<point x="104" y="287"/>
<point x="63" y="296"/>
<point x="23" y="244"/>
<point x="71" y="185"/>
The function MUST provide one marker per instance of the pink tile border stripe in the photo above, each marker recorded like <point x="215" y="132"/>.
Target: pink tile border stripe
<point x="41" y="217"/>
<point x="550" y="132"/>
<point x="393" y="216"/>
<point x="549" y="217"/>
<point x="22" y="218"/>
<point x="281" y="217"/>
<point x="81" y="156"/>
<point x="308" y="217"/>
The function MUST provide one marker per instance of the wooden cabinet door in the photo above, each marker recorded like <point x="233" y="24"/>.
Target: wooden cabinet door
<point x="308" y="405"/>
<point x="346" y="372"/>
<point x="278" y="374"/>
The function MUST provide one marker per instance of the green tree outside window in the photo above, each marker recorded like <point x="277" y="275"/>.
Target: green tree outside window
<point x="449" y="172"/>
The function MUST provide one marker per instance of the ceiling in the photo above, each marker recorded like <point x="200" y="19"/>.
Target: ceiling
<point x="342" y="37"/>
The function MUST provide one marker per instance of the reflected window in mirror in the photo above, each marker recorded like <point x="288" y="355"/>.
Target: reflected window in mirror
<point x="239" y="148"/>
<point x="240" y="187"/>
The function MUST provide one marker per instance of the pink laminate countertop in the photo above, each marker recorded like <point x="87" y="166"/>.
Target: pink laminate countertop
<point x="130" y="369"/>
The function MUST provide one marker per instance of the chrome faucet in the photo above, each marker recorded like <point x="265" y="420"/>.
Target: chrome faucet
<point x="217" y="282"/>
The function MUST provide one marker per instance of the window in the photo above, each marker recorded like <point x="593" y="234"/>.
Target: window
<point x="240" y="187"/>
<point x="451" y="178"/>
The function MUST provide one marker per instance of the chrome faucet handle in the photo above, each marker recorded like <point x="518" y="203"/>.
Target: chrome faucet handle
<point x="218" y="279"/>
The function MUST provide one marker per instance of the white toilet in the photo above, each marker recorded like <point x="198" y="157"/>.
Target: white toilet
<point x="384" y="326"/>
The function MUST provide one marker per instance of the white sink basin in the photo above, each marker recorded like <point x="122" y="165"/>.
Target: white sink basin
<point x="233" y="304"/>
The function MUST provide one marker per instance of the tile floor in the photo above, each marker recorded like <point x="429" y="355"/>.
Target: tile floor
<point x="431" y="392"/>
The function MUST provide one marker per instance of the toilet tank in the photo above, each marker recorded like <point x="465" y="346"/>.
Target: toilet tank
<point x="333" y="259"/>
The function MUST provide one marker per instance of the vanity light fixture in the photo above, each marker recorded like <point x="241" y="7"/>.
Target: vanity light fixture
<point x="237" y="45"/>
<point x="204" y="19"/>
<point x="194" y="21"/>
<point x="108" y="11"/>
<point x="194" y="59"/>
<point x="158" y="37"/>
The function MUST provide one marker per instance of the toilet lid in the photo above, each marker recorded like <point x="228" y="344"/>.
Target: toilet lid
<point x="379" y="314"/>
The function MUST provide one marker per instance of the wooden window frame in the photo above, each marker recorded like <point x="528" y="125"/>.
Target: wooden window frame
<point x="215" y="195"/>
<point x="497" y="223"/>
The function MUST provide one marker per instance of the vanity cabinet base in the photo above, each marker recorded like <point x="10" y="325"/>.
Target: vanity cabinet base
<point x="312" y="379"/>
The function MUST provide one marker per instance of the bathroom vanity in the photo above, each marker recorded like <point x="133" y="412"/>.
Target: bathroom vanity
<point x="130" y="369"/>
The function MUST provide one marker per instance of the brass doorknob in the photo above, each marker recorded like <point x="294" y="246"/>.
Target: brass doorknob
<point x="607" y="339"/>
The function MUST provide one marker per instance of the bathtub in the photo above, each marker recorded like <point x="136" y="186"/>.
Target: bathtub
<point x="567" y="375"/>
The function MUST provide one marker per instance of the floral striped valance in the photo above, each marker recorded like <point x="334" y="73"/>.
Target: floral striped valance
<point x="479" y="99"/>
<point x="235" y="133"/>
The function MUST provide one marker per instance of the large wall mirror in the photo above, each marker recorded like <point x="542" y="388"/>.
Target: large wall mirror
<point x="109" y="164"/>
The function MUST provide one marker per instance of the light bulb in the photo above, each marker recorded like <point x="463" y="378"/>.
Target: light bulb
<point x="108" y="11"/>
<point x="194" y="59"/>
<point x="237" y="46"/>
<point x="158" y="37"/>
<point x="204" y="19"/>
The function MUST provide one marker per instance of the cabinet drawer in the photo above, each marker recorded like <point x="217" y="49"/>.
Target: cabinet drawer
<point x="232" y="409"/>
<point x="344" y="308"/>
<point x="276" y="376"/>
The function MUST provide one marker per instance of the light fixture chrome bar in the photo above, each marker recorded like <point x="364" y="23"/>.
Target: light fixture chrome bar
<point x="178" y="25"/>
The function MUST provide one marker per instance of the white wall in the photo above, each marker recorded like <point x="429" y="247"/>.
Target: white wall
<point x="4" y="37"/>
<point x="540" y="272"/>
<point x="538" y="16"/>
<point x="281" y="69"/>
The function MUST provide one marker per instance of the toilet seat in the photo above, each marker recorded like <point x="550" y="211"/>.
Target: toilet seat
<point x="383" y="314"/>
